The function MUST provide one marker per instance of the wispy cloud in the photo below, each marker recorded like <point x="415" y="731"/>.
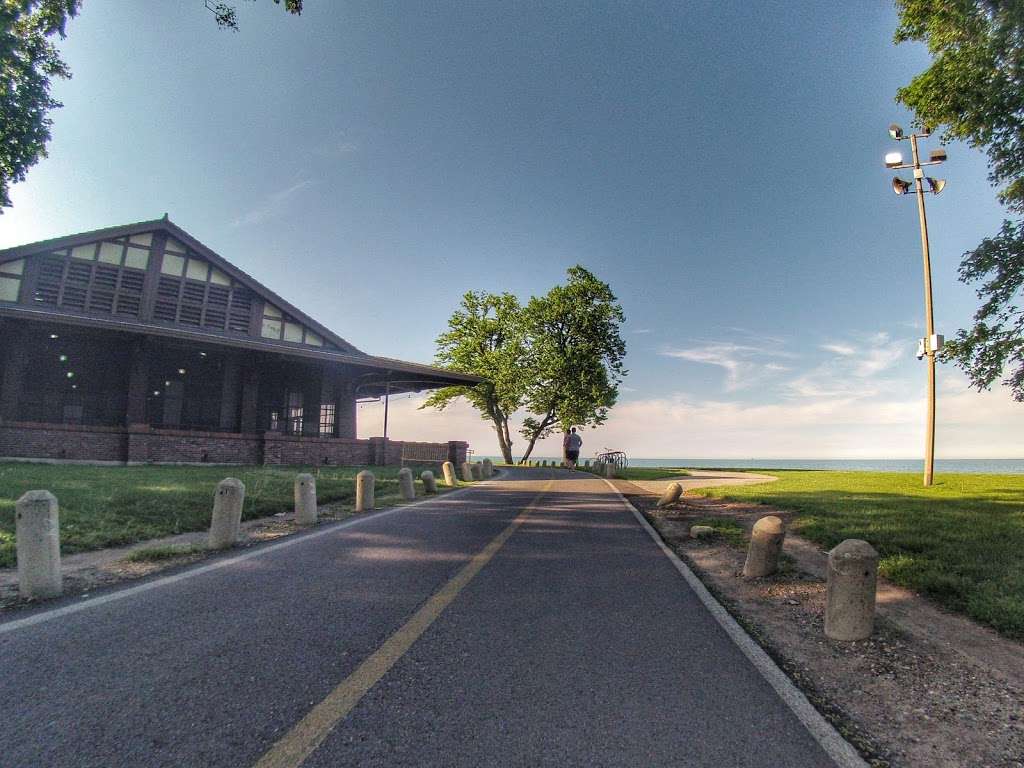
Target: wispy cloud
<point x="337" y="148"/>
<point x="744" y="364"/>
<point x="270" y="205"/>
<point x="642" y="330"/>
<point x="839" y="349"/>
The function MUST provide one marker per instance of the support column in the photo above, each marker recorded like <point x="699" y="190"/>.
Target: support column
<point x="250" y="411"/>
<point x="311" y="394"/>
<point x="345" y="411"/>
<point x="138" y="385"/>
<point x="14" y="373"/>
<point x="230" y="394"/>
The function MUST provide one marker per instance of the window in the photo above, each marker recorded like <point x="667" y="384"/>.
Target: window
<point x="294" y="415"/>
<point x="313" y="340"/>
<point x="103" y="286"/>
<point x="293" y="332"/>
<point x="146" y="238"/>
<point x="110" y="253"/>
<point x="84" y="252"/>
<point x="327" y="420"/>
<point x="219" y="278"/>
<point x="10" y="279"/>
<point x="173" y="265"/>
<point x="197" y="270"/>
<point x="137" y="258"/>
<point x="271" y="328"/>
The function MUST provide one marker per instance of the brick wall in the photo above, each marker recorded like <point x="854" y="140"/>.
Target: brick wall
<point x="142" y="444"/>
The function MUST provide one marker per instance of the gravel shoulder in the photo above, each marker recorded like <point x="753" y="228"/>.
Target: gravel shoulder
<point x="929" y="688"/>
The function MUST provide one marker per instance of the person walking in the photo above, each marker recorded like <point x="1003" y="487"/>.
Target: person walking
<point x="572" y="444"/>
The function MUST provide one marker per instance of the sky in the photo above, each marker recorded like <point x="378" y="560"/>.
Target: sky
<point x="718" y="163"/>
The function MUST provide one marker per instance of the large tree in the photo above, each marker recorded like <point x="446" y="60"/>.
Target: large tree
<point x="29" y="61"/>
<point x="974" y="92"/>
<point x="576" y="354"/>
<point x="485" y="336"/>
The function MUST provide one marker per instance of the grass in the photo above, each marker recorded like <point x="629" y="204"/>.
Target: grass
<point x="165" y="552"/>
<point x="960" y="542"/>
<point x="112" y="506"/>
<point x="731" y="532"/>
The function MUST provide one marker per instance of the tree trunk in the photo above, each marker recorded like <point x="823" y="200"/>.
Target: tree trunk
<point x="533" y="438"/>
<point x="501" y="428"/>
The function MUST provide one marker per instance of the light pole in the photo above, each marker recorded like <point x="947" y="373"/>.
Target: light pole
<point x="932" y="343"/>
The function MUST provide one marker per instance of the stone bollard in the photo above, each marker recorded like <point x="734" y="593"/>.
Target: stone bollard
<point x="227" y="513"/>
<point x="405" y="484"/>
<point x="487" y="468"/>
<point x="364" y="491"/>
<point x="609" y="470"/>
<point x="37" y="535"/>
<point x="305" y="499"/>
<point x="850" y="597"/>
<point x="765" y="546"/>
<point x="429" y="483"/>
<point x="467" y="472"/>
<point x="701" y="532"/>
<point x="449" y="473"/>
<point x="671" y="495"/>
<point x="477" y="470"/>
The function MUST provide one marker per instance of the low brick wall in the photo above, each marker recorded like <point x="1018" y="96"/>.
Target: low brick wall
<point x="142" y="444"/>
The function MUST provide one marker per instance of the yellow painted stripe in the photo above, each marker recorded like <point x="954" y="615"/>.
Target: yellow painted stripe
<point x="302" y="740"/>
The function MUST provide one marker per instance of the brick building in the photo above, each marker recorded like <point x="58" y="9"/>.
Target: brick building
<point x="139" y="344"/>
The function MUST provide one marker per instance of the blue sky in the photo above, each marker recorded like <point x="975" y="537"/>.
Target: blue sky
<point x="718" y="163"/>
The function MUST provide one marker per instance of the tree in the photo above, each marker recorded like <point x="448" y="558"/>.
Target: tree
<point x="28" y="60"/>
<point x="974" y="92"/>
<point x="575" y="360"/>
<point x="485" y="337"/>
<point x="226" y="14"/>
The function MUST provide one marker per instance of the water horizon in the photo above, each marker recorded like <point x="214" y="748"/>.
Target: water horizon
<point x="968" y="466"/>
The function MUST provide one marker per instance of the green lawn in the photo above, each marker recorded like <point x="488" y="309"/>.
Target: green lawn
<point x="960" y="542"/>
<point x="110" y="506"/>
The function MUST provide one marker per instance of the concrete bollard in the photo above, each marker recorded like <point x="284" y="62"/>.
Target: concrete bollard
<point x="477" y="470"/>
<point x="850" y="597"/>
<point x="405" y="484"/>
<point x="37" y="535"/>
<point x="227" y="513"/>
<point x="364" y="491"/>
<point x="467" y="472"/>
<point x="609" y="470"/>
<point x="305" y="499"/>
<point x="449" y="474"/>
<point x="671" y="495"/>
<point x="765" y="546"/>
<point x="429" y="483"/>
<point x="487" y="468"/>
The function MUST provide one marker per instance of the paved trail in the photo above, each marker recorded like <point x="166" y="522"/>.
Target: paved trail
<point x="528" y="621"/>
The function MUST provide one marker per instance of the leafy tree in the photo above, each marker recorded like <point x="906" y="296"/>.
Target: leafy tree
<point x="485" y="337"/>
<point x="974" y="92"/>
<point x="226" y="14"/>
<point x="28" y="60"/>
<point x="576" y="353"/>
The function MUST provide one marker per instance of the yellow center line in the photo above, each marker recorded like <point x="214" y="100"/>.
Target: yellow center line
<point x="309" y="733"/>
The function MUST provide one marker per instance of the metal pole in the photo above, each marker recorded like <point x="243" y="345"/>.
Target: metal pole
<point x="929" y="443"/>
<point x="387" y="398"/>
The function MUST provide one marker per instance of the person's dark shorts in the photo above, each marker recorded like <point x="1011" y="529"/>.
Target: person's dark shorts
<point x="572" y="455"/>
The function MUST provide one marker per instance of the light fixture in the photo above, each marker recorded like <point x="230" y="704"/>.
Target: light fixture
<point x="181" y="371"/>
<point x="63" y="358"/>
<point x="54" y="336"/>
<point x="156" y="393"/>
<point x="167" y="383"/>
<point x="893" y="159"/>
<point x="936" y="185"/>
<point x="71" y="374"/>
<point x="202" y="354"/>
<point x="899" y="186"/>
<point x="895" y="132"/>
<point x="938" y="156"/>
<point x="74" y="386"/>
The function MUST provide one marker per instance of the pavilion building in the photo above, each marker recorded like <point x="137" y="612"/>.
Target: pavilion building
<point x="139" y="344"/>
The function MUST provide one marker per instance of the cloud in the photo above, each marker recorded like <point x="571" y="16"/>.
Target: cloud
<point x="337" y="148"/>
<point x="270" y="205"/>
<point x="743" y="364"/>
<point x="642" y="330"/>
<point x="839" y="349"/>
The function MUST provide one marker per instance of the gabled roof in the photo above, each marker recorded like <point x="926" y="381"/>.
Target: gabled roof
<point x="416" y="373"/>
<point x="166" y="225"/>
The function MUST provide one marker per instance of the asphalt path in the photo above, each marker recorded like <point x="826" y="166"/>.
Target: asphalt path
<point x="526" y="621"/>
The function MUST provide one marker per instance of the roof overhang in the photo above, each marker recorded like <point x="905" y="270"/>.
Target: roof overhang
<point x="376" y="375"/>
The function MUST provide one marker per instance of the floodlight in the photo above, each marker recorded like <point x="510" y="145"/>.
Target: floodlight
<point x="899" y="186"/>
<point x="893" y="159"/>
<point x="938" y="156"/>
<point x="895" y="132"/>
<point x="935" y="185"/>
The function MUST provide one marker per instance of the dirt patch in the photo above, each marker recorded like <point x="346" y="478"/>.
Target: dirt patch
<point x="927" y="689"/>
<point x="85" y="572"/>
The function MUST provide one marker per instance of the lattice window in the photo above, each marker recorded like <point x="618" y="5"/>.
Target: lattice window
<point x="78" y="280"/>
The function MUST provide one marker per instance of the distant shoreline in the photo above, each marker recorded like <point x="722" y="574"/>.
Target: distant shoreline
<point x="969" y="466"/>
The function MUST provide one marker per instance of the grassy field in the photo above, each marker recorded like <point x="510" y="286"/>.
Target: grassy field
<point x="110" y="506"/>
<point x="960" y="542"/>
